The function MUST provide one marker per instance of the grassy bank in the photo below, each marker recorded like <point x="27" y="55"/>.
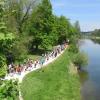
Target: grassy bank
<point x="54" y="82"/>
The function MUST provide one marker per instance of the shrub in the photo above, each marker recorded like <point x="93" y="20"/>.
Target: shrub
<point x="9" y="90"/>
<point x="2" y="65"/>
<point x="80" y="59"/>
<point x="73" y="48"/>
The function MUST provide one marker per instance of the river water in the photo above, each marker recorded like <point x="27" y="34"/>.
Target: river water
<point x="90" y="76"/>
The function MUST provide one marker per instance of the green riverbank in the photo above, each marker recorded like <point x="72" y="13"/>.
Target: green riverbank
<point x="57" y="81"/>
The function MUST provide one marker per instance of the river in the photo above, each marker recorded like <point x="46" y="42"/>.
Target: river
<point x="90" y="76"/>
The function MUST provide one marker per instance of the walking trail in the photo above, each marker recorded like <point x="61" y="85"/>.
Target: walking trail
<point x="21" y="76"/>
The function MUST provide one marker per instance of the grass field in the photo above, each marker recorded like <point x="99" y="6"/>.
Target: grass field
<point x="53" y="82"/>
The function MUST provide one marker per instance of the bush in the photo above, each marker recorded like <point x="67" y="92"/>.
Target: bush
<point x="19" y="50"/>
<point x="2" y="65"/>
<point x="73" y="48"/>
<point x="80" y="59"/>
<point x="9" y="90"/>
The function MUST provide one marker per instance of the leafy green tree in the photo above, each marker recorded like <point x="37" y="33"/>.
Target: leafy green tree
<point x="9" y="90"/>
<point x="19" y="49"/>
<point x="62" y="29"/>
<point x="77" y="27"/>
<point x="6" y="39"/>
<point x="18" y="12"/>
<point x="96" y="32"/>
<point x="74" y="32"/>
<point x="41" y="25"/>
<point x="2" y="65"/>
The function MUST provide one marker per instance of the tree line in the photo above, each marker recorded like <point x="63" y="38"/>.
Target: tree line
<point x="96" y="32"/>
<point x="29" y="25"/>
<point x="26" y="26"/>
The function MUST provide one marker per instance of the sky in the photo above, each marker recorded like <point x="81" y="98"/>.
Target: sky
<point x="87" y="12"/>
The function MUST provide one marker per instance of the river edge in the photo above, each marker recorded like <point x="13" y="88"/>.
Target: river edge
<point x="73" y="82"/>
<point x="90" y="76"/>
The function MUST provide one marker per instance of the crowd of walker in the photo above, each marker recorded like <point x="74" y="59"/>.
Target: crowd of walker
<point x="30" y="65"/>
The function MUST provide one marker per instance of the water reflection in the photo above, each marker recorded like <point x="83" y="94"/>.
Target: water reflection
<point x="90" y="75"/>
<point x="83" y="76"/>
<point x="96" y="41"/>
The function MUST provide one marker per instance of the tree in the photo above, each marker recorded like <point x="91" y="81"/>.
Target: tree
<point x="6" y="40"/>
<point x="96" y="32"/>
<point x="41" y="25"/>
<point x="9" y="90"/>
<point x="62" y="29"/>
<point x="77" y="27"/>
<point x="2" y="65"/>
<point x="18" y="12"/>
